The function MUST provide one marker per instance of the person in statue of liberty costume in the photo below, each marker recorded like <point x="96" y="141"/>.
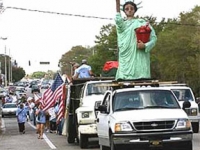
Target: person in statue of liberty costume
<point x="134" y="56"/>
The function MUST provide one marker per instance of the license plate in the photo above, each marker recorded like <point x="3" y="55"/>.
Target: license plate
<point x="156" y="143"/>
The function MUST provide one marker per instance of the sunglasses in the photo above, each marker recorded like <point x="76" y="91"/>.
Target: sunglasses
<point x="129" y="8"/>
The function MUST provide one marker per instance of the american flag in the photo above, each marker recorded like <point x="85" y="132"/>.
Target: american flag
<point x="61" y="111"/>
<point x="53" y="93"/>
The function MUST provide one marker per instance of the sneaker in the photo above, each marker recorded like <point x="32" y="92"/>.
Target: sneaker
<point x="47" y="130"/>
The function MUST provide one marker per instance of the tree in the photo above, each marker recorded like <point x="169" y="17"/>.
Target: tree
<point x="177" y="50"/>
<point x="18" y="73"/>
<point x="76" y="54"/>
<point x="38" y="75"/>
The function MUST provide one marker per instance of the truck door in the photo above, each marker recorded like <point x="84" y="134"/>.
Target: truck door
<point x="103" y="118"/>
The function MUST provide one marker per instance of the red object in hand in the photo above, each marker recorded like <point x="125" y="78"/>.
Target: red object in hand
<point x="143" y="33"/>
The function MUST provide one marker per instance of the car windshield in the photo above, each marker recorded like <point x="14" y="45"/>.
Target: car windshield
<point x="183" y="94"/>
<point x="97" y="88"/>
<point x="10" y="106"/>
<point x="148" y="99"/>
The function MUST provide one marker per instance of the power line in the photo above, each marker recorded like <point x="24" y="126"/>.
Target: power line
<point x="83" y="16"/>
<point x="57" y="13"/>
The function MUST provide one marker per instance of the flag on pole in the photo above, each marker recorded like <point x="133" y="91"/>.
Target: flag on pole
<point x="53" y="93"/>
<point x="61" y="111"/>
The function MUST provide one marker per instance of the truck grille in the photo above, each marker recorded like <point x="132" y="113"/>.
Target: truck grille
<point x="154" y="125"/>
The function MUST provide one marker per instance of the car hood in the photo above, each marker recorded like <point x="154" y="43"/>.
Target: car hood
<point x="149" y="114"/>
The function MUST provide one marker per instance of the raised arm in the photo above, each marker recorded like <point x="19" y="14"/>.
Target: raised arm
<point x="118" y="6"/>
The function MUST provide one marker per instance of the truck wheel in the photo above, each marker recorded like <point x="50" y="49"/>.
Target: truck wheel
<point x="195" y="127"/>
<point x="70" y="139"/>
<point x="104" y="147"/>
<point x="2" y="115"/>
<point x="83" y="141"/>
<point x="112" y="145"/>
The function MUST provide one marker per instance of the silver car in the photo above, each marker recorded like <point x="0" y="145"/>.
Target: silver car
<point x="8" y="109"/>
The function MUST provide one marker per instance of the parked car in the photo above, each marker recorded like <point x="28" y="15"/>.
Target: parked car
<point x="8" y="109"/>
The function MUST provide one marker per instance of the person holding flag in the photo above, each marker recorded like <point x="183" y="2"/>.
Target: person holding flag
<point x="53" y="94"/>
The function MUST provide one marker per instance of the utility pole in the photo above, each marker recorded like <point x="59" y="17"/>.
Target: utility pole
<point x="5" y="78"/>
<point x="5" y="69"/>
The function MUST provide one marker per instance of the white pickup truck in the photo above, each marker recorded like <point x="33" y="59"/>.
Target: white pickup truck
<point x="83" y="98"/>
<point x="184" y="93"/>
<point x="143" y="117"/>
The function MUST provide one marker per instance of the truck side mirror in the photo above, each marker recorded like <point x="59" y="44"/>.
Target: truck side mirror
<point x="186" y="104"/>
<point x="197" y="99"/>
<point x="102" y="108"/>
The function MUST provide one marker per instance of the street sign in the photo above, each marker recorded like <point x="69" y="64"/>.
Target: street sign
<point x="45" y="63"/>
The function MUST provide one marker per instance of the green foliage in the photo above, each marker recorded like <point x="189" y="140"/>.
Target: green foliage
<point x="17" y="73"/>
<point x="38" y="75"/>
<point x="176" y="55"/>
<point x="76" y="54"/>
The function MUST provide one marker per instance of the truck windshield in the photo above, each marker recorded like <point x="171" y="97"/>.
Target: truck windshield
<point x="183" y="94"/>
<point x="97" y="88"/>
<point x="148" y="99"/>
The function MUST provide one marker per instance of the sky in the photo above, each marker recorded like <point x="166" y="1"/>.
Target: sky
<point x="45" y="37"/>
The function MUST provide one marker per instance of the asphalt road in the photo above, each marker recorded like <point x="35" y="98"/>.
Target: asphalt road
<point x="10" y="139"/>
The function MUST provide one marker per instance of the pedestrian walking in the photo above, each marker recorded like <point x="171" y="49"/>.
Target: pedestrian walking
<point x="40" y="120"/>
<point x="21" y="118"/>
<point x="52" y="119"/>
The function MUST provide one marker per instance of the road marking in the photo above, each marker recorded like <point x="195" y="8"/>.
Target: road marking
<point x="45" y="138"/>
<point x="3" y="127"/>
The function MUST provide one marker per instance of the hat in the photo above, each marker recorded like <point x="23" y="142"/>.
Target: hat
<point x="84" y="61"/>
<point x="29" y="98"/>
<point x="76" y="65"/>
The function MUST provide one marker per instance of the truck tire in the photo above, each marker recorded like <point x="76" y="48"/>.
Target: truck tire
<point x="195" y="127"/>
<point x="71" y="131"/>
<point x="83" y="141"/>
<point x="2" y="115"/>
<point x="104" y="147"/>
<point x="70" y="139"/>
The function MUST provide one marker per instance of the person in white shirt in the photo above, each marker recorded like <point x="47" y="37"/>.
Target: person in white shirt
<point x="84" y="71"/>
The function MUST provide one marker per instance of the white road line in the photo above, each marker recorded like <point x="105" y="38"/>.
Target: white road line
<point x="3" y="127"/>
<point x="45" y="138"/>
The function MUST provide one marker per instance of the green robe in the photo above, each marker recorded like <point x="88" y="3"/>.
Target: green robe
<point x="133" y="63"/>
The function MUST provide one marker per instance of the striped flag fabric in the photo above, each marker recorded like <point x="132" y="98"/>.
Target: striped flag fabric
<point x="53" y="93"/>
<point x="61" y="111"/>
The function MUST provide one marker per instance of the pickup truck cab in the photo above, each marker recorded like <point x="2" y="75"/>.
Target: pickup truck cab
<point x="185" y="93"/>
<point x="84" y="96"/>
<point x="143" y="117"/>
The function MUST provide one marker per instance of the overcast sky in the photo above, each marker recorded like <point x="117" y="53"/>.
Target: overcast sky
<point x="40" y="37"/>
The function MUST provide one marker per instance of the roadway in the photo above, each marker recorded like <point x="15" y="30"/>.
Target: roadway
<point x="11" y="139"/>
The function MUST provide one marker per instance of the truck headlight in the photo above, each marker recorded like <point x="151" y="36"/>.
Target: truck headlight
<point x="85" y="115"/>
<point x="183" y="124"/>
<point x="193" y="112"/>
<point x="123" y="126"/>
